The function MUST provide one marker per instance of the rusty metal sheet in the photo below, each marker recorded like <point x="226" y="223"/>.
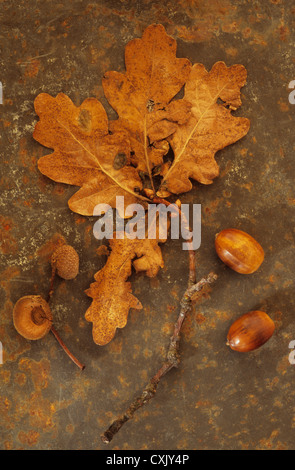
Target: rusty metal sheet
<point x="217" y="398"/>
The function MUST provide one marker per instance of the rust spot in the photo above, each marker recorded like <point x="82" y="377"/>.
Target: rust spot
<point x="79" y="220"/>
<point x="5" y="404"/>
<point x="259" y="40"/>
<point x="70" y="428"/>
<point x="211" y="209"/>
<point x="7" y="242"/>
<point x="20" y="379"/>
<point x="230" y="27"/>
<point x="26" y="158"/>
<point x="200" y="318"/>
<point x="284" y="32"/>
<point x="167" y="328"/>
<point x="283" y="105"/>
<point x="247" y="186"/>
<point x="246" y="32"/>
<point x="39" y="371"/>
<point x="32" y="69"/>
<point x="8" y="445"/>
<point x="115" y="347"/>
<point x="59" y="189"/>
<point x="29" y="438"/>
<point x="41" y="413"/>
<point x="232" y="51"/>
<point x="155" y="283"/>
<point x="203" y="404"/>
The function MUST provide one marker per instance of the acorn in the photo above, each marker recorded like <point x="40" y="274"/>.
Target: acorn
<point x="239" y="251"/>
<point x="33" y="319"/>
<point x="250" y="331"/>
<point x="65" y="260"/>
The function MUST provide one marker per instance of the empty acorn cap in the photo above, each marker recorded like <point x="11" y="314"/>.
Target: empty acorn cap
<point x="32" y="317"/>
<point x="65" y="260"/>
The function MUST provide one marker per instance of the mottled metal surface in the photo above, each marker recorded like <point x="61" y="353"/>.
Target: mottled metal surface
<point x="217" y="399"/>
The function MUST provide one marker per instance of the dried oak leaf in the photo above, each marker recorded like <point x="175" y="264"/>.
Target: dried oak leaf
<point x="210" y="127"/>
<point x="84" y="152"/>
<point x="142" y="96"/>
<point x="111" y="292"/>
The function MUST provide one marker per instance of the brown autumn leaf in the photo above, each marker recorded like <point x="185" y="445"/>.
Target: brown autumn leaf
<point x="210" y="127"/>
<point x="84" y="152"/>
<point x="105" y="158"/>
<point x="111" y="292"/>
<point x="142" y="96"/>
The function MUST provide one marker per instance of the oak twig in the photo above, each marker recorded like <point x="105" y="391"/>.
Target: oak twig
<point x="67" y="351"/>
<point x="53" y="330"/>
<point x="172" y="360"/>
<point x="191" y="252"/>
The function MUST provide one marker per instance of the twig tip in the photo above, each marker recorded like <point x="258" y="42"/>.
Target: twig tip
<point x="105" y="439"/>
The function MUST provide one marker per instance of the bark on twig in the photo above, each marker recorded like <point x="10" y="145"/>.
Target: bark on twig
<point x="172" y="360"/>
<point x="66" y="350"/>
<point x="191" y="251"/>
<point x="53" y="330"/>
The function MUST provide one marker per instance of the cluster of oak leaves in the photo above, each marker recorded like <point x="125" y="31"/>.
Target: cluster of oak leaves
<point x="128" y="156"/>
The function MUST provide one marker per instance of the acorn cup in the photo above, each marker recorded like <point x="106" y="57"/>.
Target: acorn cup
<point x="65" y="263"/>
<point x="33" y="319"/>
<point x="65" y="260"/>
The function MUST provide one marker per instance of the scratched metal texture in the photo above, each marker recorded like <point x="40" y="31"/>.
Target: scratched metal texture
<point x="217" y="398"/>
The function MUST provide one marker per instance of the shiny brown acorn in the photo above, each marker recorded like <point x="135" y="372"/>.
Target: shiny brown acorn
<point x="250" y="331"/>
<point x="239" y="251"/>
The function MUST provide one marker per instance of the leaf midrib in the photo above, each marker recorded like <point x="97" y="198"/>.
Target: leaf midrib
<point x="176" y="160"/>
<point x="94" y="157"/>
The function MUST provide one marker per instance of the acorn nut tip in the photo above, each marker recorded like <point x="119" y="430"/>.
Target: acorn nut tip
<point x="250" y="331"/>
